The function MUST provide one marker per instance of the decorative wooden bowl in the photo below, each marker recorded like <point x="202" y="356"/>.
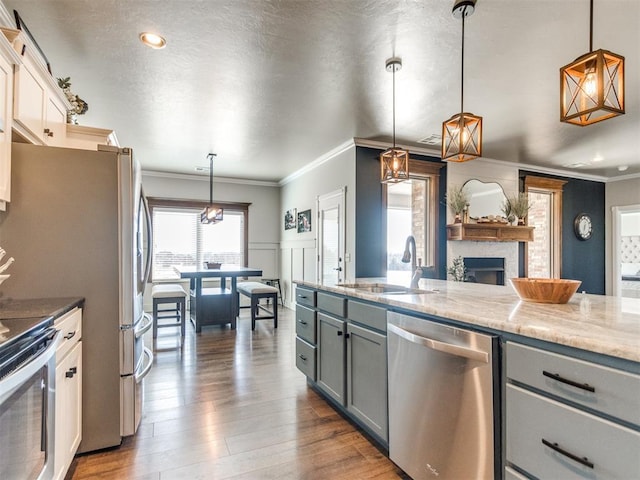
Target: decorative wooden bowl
<point x="545" y="290"/>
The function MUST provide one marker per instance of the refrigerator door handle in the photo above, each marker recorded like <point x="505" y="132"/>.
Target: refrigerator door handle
<point x="144" y="325"/>
<point x="147" y="213"/>
<point x="145" y="371"/>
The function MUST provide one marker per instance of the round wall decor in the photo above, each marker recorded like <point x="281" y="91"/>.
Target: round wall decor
<point x="583" y="226"/>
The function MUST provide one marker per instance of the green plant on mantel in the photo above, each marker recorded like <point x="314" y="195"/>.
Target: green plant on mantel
<point x="457" y="199"/>
<point x="517" y="205"/>
<point x="457" y="270"/>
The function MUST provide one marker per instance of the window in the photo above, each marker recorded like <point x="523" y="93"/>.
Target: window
<point x="412" y="210"/>
<point x="180" y="239"/>
<point x="544" y="253"/>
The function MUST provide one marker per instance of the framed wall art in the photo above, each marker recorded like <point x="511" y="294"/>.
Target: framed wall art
<point x="304" y="221"/>
<point x="290" y="219"/>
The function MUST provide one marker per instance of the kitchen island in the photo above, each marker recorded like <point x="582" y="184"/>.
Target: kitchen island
<point x="594" y="323"/>
<point x="566" y="385"/>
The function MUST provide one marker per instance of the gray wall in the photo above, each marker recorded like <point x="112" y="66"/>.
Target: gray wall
<point x="264" y="211"/>
<point x="298" y="250"/>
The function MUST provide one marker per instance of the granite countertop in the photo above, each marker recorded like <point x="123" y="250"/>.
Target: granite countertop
<point x="596" y="323"/>
<point x="19" y="317"/>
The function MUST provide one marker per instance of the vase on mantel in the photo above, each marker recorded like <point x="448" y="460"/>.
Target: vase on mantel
<point x="457" y="218"/>
<point x="521" y="222"/>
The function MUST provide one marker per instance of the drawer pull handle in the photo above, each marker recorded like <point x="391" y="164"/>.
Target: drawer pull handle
<point x="302" y="357"/>
<point x="48" y="132"/>
<point x="302" y="296"/>
<point x="302" y="322"/>
<point x="339" y="333"/>
<point x="71" y="372"/>
<point x="70" y="335"/>
<point x="581" y="460"/>
<point x="556" y="376"/>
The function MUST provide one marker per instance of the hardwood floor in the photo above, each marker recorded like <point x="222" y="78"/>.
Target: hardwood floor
<point x="232" y="405"/>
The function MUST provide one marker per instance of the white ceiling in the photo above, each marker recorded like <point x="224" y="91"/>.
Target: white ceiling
<point x="271" y="85"/>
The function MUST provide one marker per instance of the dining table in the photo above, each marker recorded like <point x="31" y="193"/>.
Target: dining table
<point x="214" y="305"/>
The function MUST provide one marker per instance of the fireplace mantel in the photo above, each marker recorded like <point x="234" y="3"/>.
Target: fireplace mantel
<point x="489" y="232"/>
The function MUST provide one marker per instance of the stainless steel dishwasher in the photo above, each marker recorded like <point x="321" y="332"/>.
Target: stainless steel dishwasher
<point x="441" y="400"/>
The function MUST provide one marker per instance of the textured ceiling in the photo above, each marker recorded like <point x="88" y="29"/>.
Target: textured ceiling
<point x="272" y="85"/>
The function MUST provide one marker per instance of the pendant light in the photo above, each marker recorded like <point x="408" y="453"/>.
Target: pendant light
<point x="394" y="162"/>
<point x="211" y="214"/>
<point x="462" y="133"/>
<point x="592" y="87"/>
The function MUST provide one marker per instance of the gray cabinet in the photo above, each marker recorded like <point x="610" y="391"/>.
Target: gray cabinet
<point x="567" y="418"/>
<point x="341" y="346"/>
<point x="367" y="378"/>
<point x="331" y="357"/>
<point x="306" y="349"/>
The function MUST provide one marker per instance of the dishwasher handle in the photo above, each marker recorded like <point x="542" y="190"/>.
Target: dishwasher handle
<point x="457" y="350"/>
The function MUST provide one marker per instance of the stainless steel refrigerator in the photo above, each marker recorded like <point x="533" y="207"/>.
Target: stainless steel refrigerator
<point x="78" y="225"/>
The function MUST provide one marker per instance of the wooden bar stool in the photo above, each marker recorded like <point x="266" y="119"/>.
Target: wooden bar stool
<point x="256" y="291"/>
<point x="275" y="282"/>
<point x="169" y="293"/>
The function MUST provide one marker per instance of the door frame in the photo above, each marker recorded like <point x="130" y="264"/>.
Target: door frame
<point x="616" y="233"/>
<point x="336" y="197"/>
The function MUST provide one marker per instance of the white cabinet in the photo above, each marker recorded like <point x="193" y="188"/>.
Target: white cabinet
<point x="8" y="58"/>
<point x="568" y="418"/>
<point x="88" y="138"/>
<point x="68" y="407"/>
<point x="39" y="109"/>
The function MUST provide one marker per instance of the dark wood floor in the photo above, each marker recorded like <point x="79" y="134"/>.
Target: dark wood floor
<point x="231" y="404"/>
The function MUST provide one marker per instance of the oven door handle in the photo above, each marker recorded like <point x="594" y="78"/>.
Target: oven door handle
<point x="147" y="368"/>
<point x="35" y="363"/>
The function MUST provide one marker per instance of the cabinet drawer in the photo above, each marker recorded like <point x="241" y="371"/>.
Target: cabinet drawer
<point x="369" y="315"/>
<point x="305" y="296"/>
<point x="611" y="449"/>
<point x="332" y="304"/>
<point x="306" y="324"/>
<point x="70" y="328"/>
<point x="306" y="358"/>
<point x="616" y="393"/>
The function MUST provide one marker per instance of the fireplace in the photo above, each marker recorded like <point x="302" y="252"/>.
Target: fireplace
<point x="485" y="270"/>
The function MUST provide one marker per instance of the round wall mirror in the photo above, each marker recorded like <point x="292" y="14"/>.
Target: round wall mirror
<point x="484" y="198"/>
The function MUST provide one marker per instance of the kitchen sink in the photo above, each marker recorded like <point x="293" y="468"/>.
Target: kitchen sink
<point x="383" y="288"/>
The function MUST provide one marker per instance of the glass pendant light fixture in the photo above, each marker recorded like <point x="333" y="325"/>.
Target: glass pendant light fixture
<point x="394" y="162"/>
<point x="462" y="133"/>
<point x="592" y="86"/>
<point x="211" y="213"/>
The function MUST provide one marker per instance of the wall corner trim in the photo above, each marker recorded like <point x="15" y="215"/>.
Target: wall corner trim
<point x="343" y="147"/>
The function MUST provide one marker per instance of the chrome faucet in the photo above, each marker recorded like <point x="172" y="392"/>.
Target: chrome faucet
<point x="410" y="256"/>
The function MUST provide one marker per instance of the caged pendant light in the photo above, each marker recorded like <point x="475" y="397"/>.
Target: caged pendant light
<point x="394" y="162"/>
<point x="211" y="213"/>
<point x="592" y="87"/>
<point x="462" y="133"/>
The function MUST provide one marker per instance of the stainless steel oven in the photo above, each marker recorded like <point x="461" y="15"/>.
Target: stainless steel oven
<point x="27" y="396"/>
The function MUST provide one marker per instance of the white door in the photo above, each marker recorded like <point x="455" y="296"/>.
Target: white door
<point x="626" y="250"/>
<point x="331" y="215"/>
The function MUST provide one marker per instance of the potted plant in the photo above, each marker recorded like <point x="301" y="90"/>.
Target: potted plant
<point x="519" y="206"/>
<point x="457" y="270"/>
<point x="457" y="201"/>
<point x="507" y="211"/>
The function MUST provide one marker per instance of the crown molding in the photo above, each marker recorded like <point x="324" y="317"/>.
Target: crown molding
<point x="620" y="178"/>
<point x="343" y="147"/>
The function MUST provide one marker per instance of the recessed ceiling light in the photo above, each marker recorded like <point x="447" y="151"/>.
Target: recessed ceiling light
<point x="153" y="40"/>
<point x="622" y="168"/>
